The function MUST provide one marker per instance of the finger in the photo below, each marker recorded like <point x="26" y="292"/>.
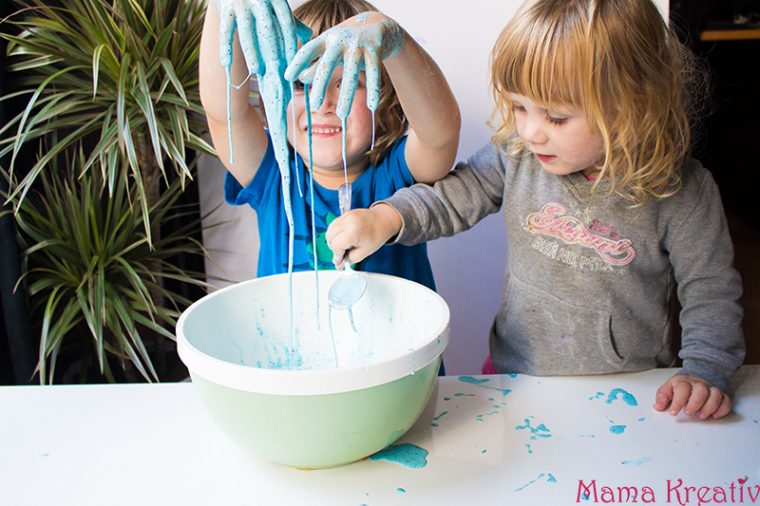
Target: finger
<point x="663" y="397"/>
<point x="681" y="393"/>
<point x="227" y="28"/>
<point x="356" y="255"/>
<point x="267" y="36"/>
<point x="699" y="394"/>
<point x="323" y="74"/>
<point x="712" y="402"/>
<point x="372" y="70"/>
<point x="339" y="239"/>
<point x="287" y="26"/>
<point x="247" y="37"/>
<point x="348" y="84"/>
<point x="303" y="58"/>
<point x="724" y="408"/>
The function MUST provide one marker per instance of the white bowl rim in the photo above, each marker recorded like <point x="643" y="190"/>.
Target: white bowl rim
<point x="309" y="382"/>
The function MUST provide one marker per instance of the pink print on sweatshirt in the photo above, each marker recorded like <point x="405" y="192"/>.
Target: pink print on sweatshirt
<point x="552" y="221"/>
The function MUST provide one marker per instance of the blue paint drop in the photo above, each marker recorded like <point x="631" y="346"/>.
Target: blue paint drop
<point x="401" y="490"/>
<point x="406" y="454"/>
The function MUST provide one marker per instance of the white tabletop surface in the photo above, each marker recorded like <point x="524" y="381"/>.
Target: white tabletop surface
<point x="539" y="444"/>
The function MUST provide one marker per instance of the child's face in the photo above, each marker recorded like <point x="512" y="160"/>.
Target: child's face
<point x="327" y="136"/>
<point x="559" y="137"/>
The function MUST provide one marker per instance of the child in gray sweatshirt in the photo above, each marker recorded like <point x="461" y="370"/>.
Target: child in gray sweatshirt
<point x="609" y="221"/>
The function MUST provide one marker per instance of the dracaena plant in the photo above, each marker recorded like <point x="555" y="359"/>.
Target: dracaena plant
<point x="110" y="105"/>
<point x="121" y="75"/>
<point x="91" y="274"/>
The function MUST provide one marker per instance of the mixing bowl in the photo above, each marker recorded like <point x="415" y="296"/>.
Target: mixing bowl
<point x="310" y="386"/>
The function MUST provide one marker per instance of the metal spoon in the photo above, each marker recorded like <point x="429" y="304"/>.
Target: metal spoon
<point x="350" y="286"/>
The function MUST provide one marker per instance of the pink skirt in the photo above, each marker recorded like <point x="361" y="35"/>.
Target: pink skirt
<point x="488" y="367"/>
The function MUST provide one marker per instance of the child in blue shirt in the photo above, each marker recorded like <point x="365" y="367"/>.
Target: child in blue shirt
<point x="411" y="137"/>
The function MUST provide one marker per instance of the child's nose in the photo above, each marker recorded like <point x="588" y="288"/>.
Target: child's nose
<point x="533" y="131"/>
<point x="331" y="99"/>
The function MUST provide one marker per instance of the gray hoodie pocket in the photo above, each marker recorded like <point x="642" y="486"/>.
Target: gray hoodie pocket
<point x="545" y="335"/>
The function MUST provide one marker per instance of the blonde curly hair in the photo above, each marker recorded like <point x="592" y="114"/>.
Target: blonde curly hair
<point x="390" y="120"/>
<point x="618" y="61"/>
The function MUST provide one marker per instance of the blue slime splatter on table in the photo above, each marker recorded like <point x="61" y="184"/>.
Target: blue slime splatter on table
<point x="539" y="431"/>
<point x="617" y="429"/>
<point x="482" y="384"/>
<point x="405" y="454"/>
<point x="619" y="393"/>
<point x="638" y="462"/>
<point x="435" y="420"/>
<point x="549" y="479"/>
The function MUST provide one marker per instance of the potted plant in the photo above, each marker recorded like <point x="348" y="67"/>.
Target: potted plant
<point x="112" y="114"/>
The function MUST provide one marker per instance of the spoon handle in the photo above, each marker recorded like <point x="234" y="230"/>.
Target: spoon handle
<point x="344" y="202"/>
<point x="344" y="198"/>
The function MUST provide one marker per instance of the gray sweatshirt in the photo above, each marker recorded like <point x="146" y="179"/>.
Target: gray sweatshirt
<point x="590" y="280"/>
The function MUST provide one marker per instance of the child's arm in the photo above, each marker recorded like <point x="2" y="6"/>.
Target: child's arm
<point x="249" y="139"/>
<point x="701" y="256"/>
<point x="431" y="108"/>
<point x="367" y="40"/>
<point x="422" y="212"/>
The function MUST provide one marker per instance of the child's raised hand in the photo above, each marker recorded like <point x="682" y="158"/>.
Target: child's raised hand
<point x="694" y="395"/>
<point x="359" y="43"/>
<point x="259" y="24"/>
<point x="359" y="233"/>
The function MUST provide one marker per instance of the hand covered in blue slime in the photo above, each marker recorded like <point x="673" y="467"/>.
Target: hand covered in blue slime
<point x="359" y="43"/>
<point x="267" y="32"/>
<point x="266" y="29"/>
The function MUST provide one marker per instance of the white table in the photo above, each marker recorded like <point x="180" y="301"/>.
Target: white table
<point x="156" y="445"/>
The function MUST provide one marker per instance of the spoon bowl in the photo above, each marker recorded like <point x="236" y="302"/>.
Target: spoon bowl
<point x="347" y="289"/>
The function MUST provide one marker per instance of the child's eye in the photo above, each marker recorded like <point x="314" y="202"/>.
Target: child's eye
<point x="555" y="120"/>
<point x="359" y="83"/>
<point x="298" y="85"/>
<point x="517" y="108"/>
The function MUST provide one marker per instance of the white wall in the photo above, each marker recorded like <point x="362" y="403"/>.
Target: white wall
<point x="469" y="267"/>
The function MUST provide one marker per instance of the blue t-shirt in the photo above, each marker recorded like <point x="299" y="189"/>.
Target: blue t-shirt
<point x="264" y="194"/>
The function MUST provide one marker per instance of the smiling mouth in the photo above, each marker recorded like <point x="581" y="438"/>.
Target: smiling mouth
<point x="325" y="130"/>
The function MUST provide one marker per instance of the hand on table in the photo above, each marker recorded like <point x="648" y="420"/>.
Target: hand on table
<point x="361" y="42"/>
<point x="694" y="395"/>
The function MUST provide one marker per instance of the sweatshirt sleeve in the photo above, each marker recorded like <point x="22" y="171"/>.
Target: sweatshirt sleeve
<point x="469" y="193"/>
<point x="701" y="253"/>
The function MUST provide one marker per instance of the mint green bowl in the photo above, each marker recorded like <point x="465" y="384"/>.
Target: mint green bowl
<point x="342" y="386"/>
